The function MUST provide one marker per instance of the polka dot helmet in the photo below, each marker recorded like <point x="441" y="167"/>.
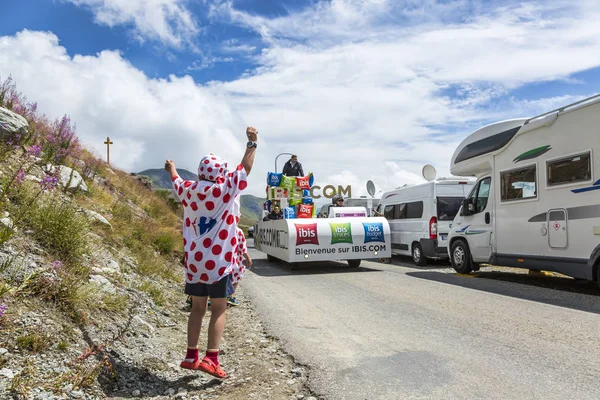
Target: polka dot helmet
<point x="212" y="167"/>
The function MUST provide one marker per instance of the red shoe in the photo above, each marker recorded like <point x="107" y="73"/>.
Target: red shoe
<point x="190" y="365"/>
<point x="208" y="366"/>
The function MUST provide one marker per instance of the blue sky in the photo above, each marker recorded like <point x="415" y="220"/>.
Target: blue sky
<point x="359" y="89"/>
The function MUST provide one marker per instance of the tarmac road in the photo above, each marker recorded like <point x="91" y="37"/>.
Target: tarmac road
<point x="398" y="331"/>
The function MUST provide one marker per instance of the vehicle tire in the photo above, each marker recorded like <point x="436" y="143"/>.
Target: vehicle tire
<point x="417" y="255"/>
<point x="597" y="274"/>
<point x="460" y="258"/>
<point x="270" y="258"/>
<point x="354" y="263"/>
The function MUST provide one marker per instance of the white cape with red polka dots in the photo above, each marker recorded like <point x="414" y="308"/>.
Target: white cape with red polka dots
<point x="238" y="270"/>
<point x="209" y="230"/>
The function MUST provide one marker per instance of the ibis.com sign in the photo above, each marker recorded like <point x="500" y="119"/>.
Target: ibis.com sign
<point x="315" y="192"/>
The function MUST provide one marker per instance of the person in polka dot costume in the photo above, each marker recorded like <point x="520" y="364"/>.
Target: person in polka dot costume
<point x="238" y="271"/>
<point x="210" y="218"/>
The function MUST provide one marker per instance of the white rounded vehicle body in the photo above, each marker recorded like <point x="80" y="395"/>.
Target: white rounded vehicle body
<point x="346" y="235"/>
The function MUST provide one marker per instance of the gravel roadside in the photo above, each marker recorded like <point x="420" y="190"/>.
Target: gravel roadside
<point x="144" y="362"/>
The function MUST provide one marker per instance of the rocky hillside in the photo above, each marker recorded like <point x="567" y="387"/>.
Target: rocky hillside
<point x="91" y="303"/>
<point x="251" y="205"/>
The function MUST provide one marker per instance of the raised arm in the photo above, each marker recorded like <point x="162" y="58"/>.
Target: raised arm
<point x="248" y="159"/>
<point x="170" y="168"/>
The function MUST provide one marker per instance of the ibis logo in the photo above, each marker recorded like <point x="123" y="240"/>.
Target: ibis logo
<point x="373" y="232"/>
<point x="340" y="233"/>
<point x="306" y="234"/>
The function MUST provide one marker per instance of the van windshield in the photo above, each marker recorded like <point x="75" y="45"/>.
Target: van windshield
<point x="447" y="207"/>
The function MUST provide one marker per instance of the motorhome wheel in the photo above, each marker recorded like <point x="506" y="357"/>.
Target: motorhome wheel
<point x="461" y="257"/>
<point x="354" y="263"/>
<point x="417" y="255"/>
<point x="270" y="258"/>
<point x="597" y="273"/>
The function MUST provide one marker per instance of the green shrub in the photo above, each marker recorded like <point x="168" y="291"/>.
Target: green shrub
<point x="165" y="243"/>
<point x="140" y="232"/>
<point x="61" y="229"/>
<point x="35" y="341"/>
<point x="5" y="234"/>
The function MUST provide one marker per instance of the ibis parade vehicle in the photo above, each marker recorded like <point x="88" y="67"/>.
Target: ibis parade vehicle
<point x="420" y="215"/>
<point x="536" y="201"/>
<point x="344" y="234"/>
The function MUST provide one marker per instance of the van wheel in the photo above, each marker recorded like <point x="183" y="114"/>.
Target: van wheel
<point x="270" y="258"/>
<point x="417" y="255"/>
<point x="354" y="263"/>
<point x="461" y="257"/>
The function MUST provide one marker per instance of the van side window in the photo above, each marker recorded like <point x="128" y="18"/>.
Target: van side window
<point x="569" y="169"/>
<point x="414" y="210"/>
<point x="518" y="184"/>
<point x="401" y="211"/>
<point x="480" y="195"/>
<point x="389" y="212"/>
<point x="404" y="210"/>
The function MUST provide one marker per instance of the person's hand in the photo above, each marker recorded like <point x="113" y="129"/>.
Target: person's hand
<point x="252" y="134"/>
<point x="249" y="262"/>
<point x="169" y="164"/>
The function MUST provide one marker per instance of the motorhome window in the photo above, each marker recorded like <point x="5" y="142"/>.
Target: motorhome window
<point x="414" y="210"/>
<point x="447" y="207"/>
<point x="569" y="169"/>
<point x="486" y="145"/>
<point x="518" y="184"/>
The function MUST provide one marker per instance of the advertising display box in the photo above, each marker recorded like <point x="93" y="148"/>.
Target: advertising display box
<point x="324" y="239"/>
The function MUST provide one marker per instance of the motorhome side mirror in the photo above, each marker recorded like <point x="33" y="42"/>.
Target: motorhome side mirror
<point x="467" y="207"/>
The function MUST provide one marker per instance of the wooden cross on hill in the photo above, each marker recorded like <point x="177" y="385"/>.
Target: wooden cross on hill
<point x="108" y="143"/>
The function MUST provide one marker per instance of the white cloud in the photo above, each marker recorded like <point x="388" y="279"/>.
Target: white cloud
<point x="354" y="94"/>
<point x="242" y="48"/>
<point x="167" y="21"/>
<point x="207" y="62"/>
<point x="149" y="120"/>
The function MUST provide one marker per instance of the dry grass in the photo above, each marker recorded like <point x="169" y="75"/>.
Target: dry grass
<point x="154" y="291"/>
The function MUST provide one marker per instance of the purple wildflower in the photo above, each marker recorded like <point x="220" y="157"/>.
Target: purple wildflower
<point x="20" y="177"/>
<point x="35" y="150"/>
<point x="51" y="139"/>
<point x="3" y="308"/>
<point x="48" y="182"/>
<point x="56" y="265"/>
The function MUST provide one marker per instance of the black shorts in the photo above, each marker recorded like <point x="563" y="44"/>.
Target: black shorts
<point x="219" y="290"/>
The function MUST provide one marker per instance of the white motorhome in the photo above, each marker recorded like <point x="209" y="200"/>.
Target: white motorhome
<point x="536" y="202"/>
<point x="420" y="216"/>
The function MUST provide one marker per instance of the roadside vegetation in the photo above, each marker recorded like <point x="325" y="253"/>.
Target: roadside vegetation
<point x="65" y="213"/>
